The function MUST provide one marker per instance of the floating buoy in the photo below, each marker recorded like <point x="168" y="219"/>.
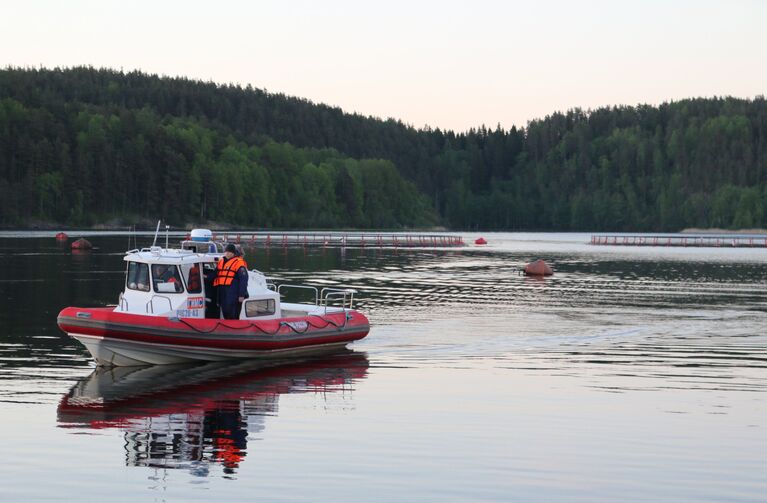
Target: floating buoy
<point x="538" y="268"/>
<point x="62" y="236"/>
<point x="480" y="241"/>
<point x="82" y="244"/>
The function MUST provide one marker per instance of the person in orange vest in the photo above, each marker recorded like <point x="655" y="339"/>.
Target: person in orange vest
<point x="231" y="282"/>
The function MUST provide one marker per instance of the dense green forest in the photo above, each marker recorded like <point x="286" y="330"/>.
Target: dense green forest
<point x="80" y="146"/>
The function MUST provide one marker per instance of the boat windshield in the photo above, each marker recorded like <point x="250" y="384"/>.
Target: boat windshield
<point x="166" y="278"/>
<point x="138" y="276"/>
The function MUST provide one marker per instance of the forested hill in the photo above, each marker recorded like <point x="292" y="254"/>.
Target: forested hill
<point x="82" y="145"/>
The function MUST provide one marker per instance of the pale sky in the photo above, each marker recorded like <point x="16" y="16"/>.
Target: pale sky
<point x="447" y="64"/>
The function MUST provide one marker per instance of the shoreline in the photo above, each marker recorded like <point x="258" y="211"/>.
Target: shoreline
<point x="145" y="226"/>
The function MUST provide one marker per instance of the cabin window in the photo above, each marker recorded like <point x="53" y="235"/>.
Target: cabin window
<point x="259" y="307"/>
<point x="166" y="278"/>
<point x="191" y="273"/>
<point x="137" y="277"/>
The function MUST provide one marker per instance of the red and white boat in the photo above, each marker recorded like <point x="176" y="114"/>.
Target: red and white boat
<point x="161" y="316"/>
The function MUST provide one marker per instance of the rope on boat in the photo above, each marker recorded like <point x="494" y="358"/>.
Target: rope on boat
<point x="329" y="322"/>
<point x="291" y="326"/>
<point x="221" y="324"/>
<point x="266" y="332"/>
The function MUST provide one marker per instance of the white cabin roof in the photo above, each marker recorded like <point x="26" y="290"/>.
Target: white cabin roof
<point x="158" y="255"/>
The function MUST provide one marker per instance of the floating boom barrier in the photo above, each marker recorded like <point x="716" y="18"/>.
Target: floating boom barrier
<point x="711" y="241"/>
<point x="338" y="239"/>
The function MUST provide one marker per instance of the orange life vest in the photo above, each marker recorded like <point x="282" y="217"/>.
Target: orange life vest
<point x="227" y="270"/>
<point x="193" y="283"/>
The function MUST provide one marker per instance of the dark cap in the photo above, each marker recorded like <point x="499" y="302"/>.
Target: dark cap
<point x="231" y="248"/>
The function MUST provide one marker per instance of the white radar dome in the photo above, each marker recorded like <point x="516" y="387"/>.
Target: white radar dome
<point x="201" y="235"/>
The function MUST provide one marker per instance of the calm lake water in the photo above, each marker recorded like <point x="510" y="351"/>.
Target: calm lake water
<point x="632" y="374"/>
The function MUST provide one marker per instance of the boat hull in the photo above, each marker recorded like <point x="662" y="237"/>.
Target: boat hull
<point x="121" y="339"/>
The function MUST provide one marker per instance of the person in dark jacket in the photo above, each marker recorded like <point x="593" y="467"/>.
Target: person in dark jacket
<point x="231" y="282"/>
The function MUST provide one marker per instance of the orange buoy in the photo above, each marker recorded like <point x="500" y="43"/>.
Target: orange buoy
<point x="538" y="268"/>
<point x="82" y="244"/>
<point x="480" y="241"/>
<point x="62" y="236"/>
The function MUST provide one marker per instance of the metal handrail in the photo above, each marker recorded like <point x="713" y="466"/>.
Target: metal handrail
<point x="151" y="304"/>
<point x="122" y="300"/>
<point x="316" y="293"/>
<point x="336" y="292"/>
<point x="341" y="294"/>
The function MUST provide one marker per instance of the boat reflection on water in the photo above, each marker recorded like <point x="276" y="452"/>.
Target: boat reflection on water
<point x="190" y="416"/>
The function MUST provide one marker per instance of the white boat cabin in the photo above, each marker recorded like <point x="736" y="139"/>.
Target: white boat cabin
<point x="171" y="282"/>
<point x="178" y="283"/>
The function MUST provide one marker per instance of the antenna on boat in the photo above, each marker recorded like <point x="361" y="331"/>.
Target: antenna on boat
<point x="156" y="231"/>
<point x="166" y="236"/>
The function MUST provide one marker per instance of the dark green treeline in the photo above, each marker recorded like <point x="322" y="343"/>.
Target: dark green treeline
<point x="65" y="160"/>
<point x="81" y="145"/>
